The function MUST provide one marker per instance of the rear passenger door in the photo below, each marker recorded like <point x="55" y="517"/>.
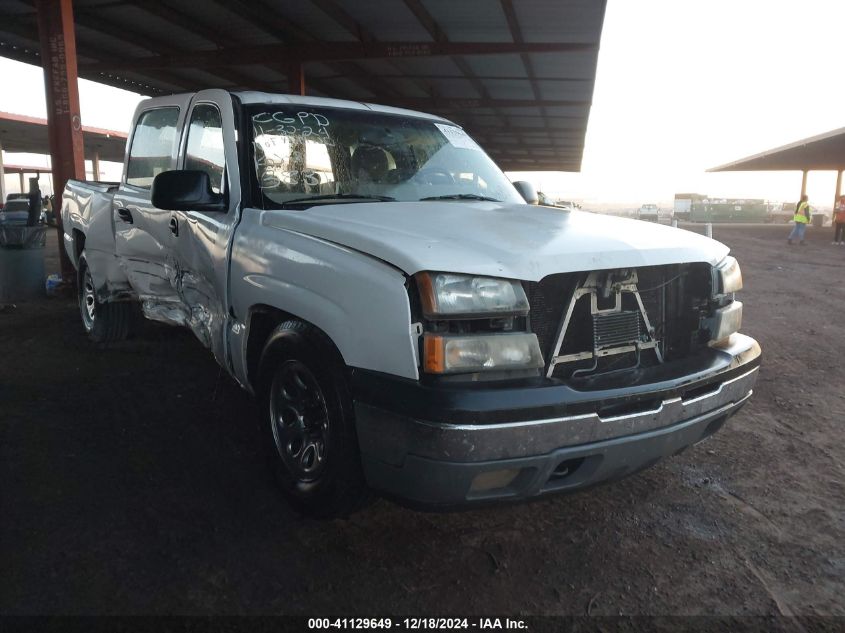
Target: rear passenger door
<point x="143" y="239"/>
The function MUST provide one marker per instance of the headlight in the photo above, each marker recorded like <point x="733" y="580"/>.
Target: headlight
<point x="728" y="277"/>
<point x="725" y="321"/>
<point x="445" y="354"/>
<point x="450" y="295"/>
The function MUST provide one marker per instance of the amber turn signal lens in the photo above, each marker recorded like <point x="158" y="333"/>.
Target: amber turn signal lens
<point x="435" y="354"/>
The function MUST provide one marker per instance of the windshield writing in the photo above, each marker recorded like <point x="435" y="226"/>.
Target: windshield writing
<point x="325" y="155"/>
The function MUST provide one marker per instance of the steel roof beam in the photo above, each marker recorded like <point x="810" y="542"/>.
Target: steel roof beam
<point x="335" y="51"/>
<point x="464" y="104"/>
<point x="94" y="20"/>
<point x="358" y="30"/>
<point x="24" y="27"/>
<point x="516" y="34"/>
<point x="264" y="17"/>
<point x="183" y="20"/>
<point x="438" y="35"/>
<point x="447" y="77"/>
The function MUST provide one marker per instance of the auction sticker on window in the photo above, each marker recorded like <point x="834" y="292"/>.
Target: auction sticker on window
<point x="457" y="137"/>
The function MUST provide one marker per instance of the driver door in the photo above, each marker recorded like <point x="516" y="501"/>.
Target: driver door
<point x="202" y="238"/>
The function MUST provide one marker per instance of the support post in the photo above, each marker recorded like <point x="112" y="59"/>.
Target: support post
<point x="296" y="78"/>
<point x="2" y="178"/>
<point x="838" y="188"/>
<point x="21" y="181"/>
<point x="803" y="183"/>
<point x="95" y="164"/>
<point x="64" y="124"/>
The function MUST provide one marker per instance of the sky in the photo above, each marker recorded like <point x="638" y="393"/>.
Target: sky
<point x="681" y="86"/>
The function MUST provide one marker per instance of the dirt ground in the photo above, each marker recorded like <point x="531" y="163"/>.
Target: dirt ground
<point x="131" y="482"/>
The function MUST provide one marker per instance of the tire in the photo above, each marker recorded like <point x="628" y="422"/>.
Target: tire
<point x="103" y="322"/>
<point x="307" y="423"/>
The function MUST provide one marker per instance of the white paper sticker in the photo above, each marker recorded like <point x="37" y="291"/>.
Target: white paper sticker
<point x="457" y="137"/>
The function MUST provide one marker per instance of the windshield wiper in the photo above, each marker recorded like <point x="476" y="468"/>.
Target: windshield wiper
<point x="461" y="196"/>
<point x="337" y="196"/>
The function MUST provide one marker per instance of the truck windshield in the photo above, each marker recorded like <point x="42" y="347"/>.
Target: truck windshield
<point x="307" y="155"/>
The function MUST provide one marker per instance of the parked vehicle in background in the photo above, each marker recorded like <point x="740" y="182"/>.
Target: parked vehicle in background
<point x="683" y="205"/>
<point x="16" y="212"/>
<point x="649" y="213"/>
<point x="13" y="196"/>
<point x="546" y="201"/>
<point x="782" y="213"/>
<point x="406" y="321"/>
<point x="568" y="205"/>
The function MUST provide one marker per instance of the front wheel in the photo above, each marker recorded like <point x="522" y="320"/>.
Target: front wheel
<point x="103" y="322"/>
<point x="307" y="423"/>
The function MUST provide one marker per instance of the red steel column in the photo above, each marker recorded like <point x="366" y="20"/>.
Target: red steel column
<point x="296" y="79"/>
<point x="58" y="58"/>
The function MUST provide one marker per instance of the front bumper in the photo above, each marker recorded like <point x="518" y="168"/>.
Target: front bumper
<point x="452" y="446"/>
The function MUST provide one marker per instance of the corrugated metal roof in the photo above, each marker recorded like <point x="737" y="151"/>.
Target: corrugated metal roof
<point x="823" y="152"/>
<point x="517" y="74"/>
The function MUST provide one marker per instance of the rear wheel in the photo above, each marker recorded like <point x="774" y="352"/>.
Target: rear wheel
<point x="307" y="423"/>
<point x="103" y="322"/>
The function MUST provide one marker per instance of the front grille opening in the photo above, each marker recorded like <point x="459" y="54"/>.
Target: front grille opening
<point x="675" y="299"/>
<point x="628" y="408"/>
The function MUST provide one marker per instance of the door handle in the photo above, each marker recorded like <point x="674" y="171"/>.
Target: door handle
<point x="125" y="215"/>
<point x="174" y="226"/>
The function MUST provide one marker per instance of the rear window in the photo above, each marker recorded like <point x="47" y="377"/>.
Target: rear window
<point x="153" y="145"/>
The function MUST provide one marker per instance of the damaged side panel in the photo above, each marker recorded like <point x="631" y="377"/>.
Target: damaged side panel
<point x="360" y="302"/>
<point x="87" y="221"/>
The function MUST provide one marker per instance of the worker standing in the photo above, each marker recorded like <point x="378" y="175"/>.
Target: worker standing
<point x="839" y="222"/>
<point x="801" y="219"/>
<point x="34" y="203"/>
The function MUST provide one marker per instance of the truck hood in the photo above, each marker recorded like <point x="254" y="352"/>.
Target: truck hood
<point x="485" y="238"/>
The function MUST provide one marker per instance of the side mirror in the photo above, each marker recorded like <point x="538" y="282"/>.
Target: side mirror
<point x="185" y="190"/>
<point x="527" y="191"/>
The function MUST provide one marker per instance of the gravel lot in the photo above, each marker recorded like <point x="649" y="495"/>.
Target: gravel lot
<point x="131" y="482"/>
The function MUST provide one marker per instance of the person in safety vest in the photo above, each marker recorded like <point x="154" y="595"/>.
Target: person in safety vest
<point x="839" y="222"/>
<point x="801" y="219"/>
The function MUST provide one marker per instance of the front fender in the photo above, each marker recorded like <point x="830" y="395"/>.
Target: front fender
<point x="360" y="302"/>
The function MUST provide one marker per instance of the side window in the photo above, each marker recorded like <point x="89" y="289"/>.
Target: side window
<point x="152" y="146"/>
<point x="205" y="144"/>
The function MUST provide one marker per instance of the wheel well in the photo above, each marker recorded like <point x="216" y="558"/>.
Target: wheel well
<point x="78" y="243"/>
<point x="262" y="321"/>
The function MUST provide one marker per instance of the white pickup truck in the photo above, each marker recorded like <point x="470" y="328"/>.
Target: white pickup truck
<point x="409" y="324"/>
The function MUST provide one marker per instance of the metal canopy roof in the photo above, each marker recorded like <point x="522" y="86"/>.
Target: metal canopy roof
<point x="822" y="152"/>
<point x="517" y="74"/>
<point x="20" y="133"/>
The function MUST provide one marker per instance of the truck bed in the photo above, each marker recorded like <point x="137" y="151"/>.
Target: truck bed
<point x="87" y="211"/>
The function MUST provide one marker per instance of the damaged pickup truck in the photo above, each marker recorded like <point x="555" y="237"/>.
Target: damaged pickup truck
<point x="408" y="323"/>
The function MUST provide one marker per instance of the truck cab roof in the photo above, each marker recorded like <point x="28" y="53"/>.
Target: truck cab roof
<point x="251" y="97"/>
